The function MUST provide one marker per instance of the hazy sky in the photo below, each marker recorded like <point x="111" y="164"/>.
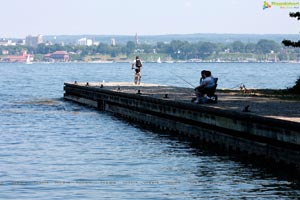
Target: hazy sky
<point x="146" y="17"/>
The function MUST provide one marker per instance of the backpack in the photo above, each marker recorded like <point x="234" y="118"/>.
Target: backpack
<point x="138" y="63"/>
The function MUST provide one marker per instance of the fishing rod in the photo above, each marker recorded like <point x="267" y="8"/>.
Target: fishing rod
<point x="182" y="79"/>
<point x="237" y="86"/>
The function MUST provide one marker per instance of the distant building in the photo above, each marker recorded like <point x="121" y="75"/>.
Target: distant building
<point x="136" y="39"/>
<point x="139" y="51"/>
<point x="57" y="56"/>
<point x="20" y="58"/>
<point x="5" y="52"/>
<point x="96" y="43"/>
<point x="5" y="42"/>
<point x="85" y="42"/>
<point x="48" y="43"/>
<point x="113" y="42"/>
<point x="33" y="41"/>
<point x="21" y="42"/>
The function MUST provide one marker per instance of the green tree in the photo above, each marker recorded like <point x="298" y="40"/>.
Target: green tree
<point x="146" y="47"/>
<point x="205" y="49"/>
<point x="296" y="87"/>
<point x="102" y="48"/>
<point x="43" y="49"/>
<point x="250" y="48"/>
<point x="130" y="46"/>
<point x="238" y="46"/>
<point x="266" y="46"/>
<point x="176" y="49"/>
<point x="289" y="42"/>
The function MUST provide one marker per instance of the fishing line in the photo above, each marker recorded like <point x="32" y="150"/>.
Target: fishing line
<point x="237" y="86"/>
<point x="182" y="79"/>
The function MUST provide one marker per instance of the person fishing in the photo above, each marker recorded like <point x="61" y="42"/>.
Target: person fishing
<point x="137" y="65"/>
<point x="206" y="84"/>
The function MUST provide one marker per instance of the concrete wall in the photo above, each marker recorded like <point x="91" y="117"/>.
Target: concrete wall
<point x="272" y="138"/>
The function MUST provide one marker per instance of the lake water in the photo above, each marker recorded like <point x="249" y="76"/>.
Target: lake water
<point x="53" y="149"/>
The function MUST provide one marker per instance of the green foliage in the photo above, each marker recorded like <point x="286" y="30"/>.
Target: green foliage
<point x="265" y="46"/>
<point x="130" y="46"/>
<point x="289" y="42"/>
<point x="76" y="57"/>
<point x="295" y="15"/>
<point x="250" y="48"/>
<point x="296" y="88"/>
<point x="176" y="50"/>
<point x="238" y="46"/>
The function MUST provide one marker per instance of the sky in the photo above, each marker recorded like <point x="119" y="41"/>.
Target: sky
<point x="20" y="18"/>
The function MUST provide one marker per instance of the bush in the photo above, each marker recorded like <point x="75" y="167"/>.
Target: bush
<point x="296" y="88"/>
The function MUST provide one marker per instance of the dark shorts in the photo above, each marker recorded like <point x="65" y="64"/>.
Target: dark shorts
<point x="137" y="70"/>
<point x="203" y="90"/>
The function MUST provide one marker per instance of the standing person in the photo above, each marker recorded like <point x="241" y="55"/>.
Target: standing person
<point x="137" y="65"/>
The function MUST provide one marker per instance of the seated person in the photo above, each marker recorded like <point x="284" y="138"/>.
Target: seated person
<point x="207" y="84"/>
<point x="202" y="76"/>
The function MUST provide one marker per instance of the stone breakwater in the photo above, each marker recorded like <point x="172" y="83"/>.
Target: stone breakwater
<point x="270" y="129"/>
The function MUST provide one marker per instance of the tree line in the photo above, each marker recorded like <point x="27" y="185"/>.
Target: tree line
<point x="176" y="49"/>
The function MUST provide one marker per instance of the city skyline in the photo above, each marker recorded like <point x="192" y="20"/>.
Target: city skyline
<point x="119" y="17"/>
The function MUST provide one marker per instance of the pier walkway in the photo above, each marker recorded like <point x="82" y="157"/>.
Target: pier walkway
<point x="231" y="101"/>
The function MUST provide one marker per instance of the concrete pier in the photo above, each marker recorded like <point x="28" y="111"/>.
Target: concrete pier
<point x="270" y="129"/>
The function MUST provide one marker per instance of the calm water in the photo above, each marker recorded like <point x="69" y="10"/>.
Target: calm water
<point x="52" y="149"/>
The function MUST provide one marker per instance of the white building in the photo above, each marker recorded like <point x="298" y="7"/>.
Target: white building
<point x="85" y="42"/>
<point x="5" y="52"/>
<point x="4" y="42"/>
<point x="96" y="43"/>
<point x="113" y="42"/>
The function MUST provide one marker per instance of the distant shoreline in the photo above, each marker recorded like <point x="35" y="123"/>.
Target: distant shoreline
<point x="163" y="62"/>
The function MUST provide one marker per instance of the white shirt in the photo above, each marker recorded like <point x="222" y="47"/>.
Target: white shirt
<point x="209" y="81"/>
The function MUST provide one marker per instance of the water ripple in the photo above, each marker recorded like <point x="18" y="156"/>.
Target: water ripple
<point x="54" y="149"/>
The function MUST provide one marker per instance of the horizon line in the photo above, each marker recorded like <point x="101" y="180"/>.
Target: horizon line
<point x="154" y="35"/>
